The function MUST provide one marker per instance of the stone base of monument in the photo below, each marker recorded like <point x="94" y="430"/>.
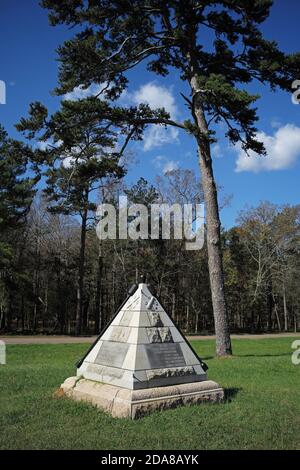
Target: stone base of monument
<point x="125" y="403"/>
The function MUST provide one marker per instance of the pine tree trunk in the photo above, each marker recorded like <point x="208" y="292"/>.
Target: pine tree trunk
<point x="45" y="316"/>
<point x="60" y="312"/>
<point x="295" y="323"/>
<point x="196" y="322"/>
<point x="215" y="265"/>
<point x="213" y="226"/>
<point x="9" y="314"/>
<point x="277" y="316"/>
<point x="187" y="318"/>
<point x="2" y="317"/>
<point x="173" y="306"/>
<point x="286" y="323"/>
<point x="270" y="302"/>
<point x="79" y="309"/>
<point x="22" y="314"/>
<point x="99" y="294"/>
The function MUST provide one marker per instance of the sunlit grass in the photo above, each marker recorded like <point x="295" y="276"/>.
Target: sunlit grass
<point x="262" y="409"/>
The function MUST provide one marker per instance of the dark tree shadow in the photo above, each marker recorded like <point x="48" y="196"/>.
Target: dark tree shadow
<point x="264" y="355"/>
<point x="230" y="394"/>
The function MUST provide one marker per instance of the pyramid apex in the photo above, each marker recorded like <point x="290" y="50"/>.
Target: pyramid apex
<point x="143" y="278"/>
<point x="142" y="284"/>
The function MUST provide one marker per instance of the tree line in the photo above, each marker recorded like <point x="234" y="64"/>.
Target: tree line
<point x="81" y="150"/>
<point x="41" y="256"/>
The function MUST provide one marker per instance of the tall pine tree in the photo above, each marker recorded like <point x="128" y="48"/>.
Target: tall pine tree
<point x="17" y="183"/>
<point x="77" y="151"/>
<point x="115" y="36"/>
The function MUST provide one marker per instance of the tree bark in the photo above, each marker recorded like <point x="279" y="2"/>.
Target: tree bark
<point x="277" y="315"/>
<point x="9" y="314"/>
<point x="213" y="227"/>
<point x="286" y="323"/>
<point x="99" y="294"/>
<point x="270" y="302"/>
<point x="187" y="314"/>
<point x="196" y="322"/>
<point x="45" y="316"/>
<point x="79" y="309"/>
<point x="2" y="317"/>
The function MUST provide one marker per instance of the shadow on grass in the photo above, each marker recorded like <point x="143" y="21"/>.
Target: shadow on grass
<point x="264" y="355"/>
<point x="241" y="355"/>
<point x="230" y="394"/>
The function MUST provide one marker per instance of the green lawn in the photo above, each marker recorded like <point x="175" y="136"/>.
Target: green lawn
<point x="262" y="409"/>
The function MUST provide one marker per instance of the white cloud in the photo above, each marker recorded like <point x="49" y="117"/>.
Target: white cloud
<point x="170" y="166"/>
<point x="79" y="92"/>
<point x="66" y="160"/>
<point x="164" y="164"/>
<point x="47" y="144"/>
<point x="275" y="123"/>
<point x="216" y="151"/>
<point x="43" y="145"/>
<point x="157" y="96"/>
<point x="283" y="149"/>
<point x="158" y="161"/>
<point x="157" y="135"/>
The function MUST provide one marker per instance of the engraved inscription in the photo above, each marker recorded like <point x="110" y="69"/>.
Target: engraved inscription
<point x="145" y="300"/>
<point x="153" y="335"/>
<point x="120" y="334"/>
<point x="165" y="334"/>
<point x="162" y="373"/>
<point x="160" y="335"/>
<point x="150" y="303"/>
<point x="155" y="319"/>
<point x="126" y="318"/>
<point x="154" y="305"/>
<point x="105" y="371"/>
<point x="133" y="303"/>
<point x="112" y="354"/>
<point x="165" y="355"/>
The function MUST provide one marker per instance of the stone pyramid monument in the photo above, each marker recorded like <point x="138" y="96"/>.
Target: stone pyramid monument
<point x="141" y="362"/>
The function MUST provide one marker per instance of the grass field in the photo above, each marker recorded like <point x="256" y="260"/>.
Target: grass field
<point x="261" y="411"/>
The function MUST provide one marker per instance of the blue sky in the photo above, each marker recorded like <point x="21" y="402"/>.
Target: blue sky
<point x="29" y="69"/>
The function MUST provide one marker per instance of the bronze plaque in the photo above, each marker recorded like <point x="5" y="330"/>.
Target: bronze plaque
<point x="112" y="354"/>
<point x="162" y="355"/>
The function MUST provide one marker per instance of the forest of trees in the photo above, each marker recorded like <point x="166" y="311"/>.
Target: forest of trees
<point x="40" y="264"/>
<point x="56" y="276"/>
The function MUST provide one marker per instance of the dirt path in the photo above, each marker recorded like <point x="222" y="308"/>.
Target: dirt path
<point x="47" y="339"/>
<point x="90" y="339"/>
<point x="253" y="336"/>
